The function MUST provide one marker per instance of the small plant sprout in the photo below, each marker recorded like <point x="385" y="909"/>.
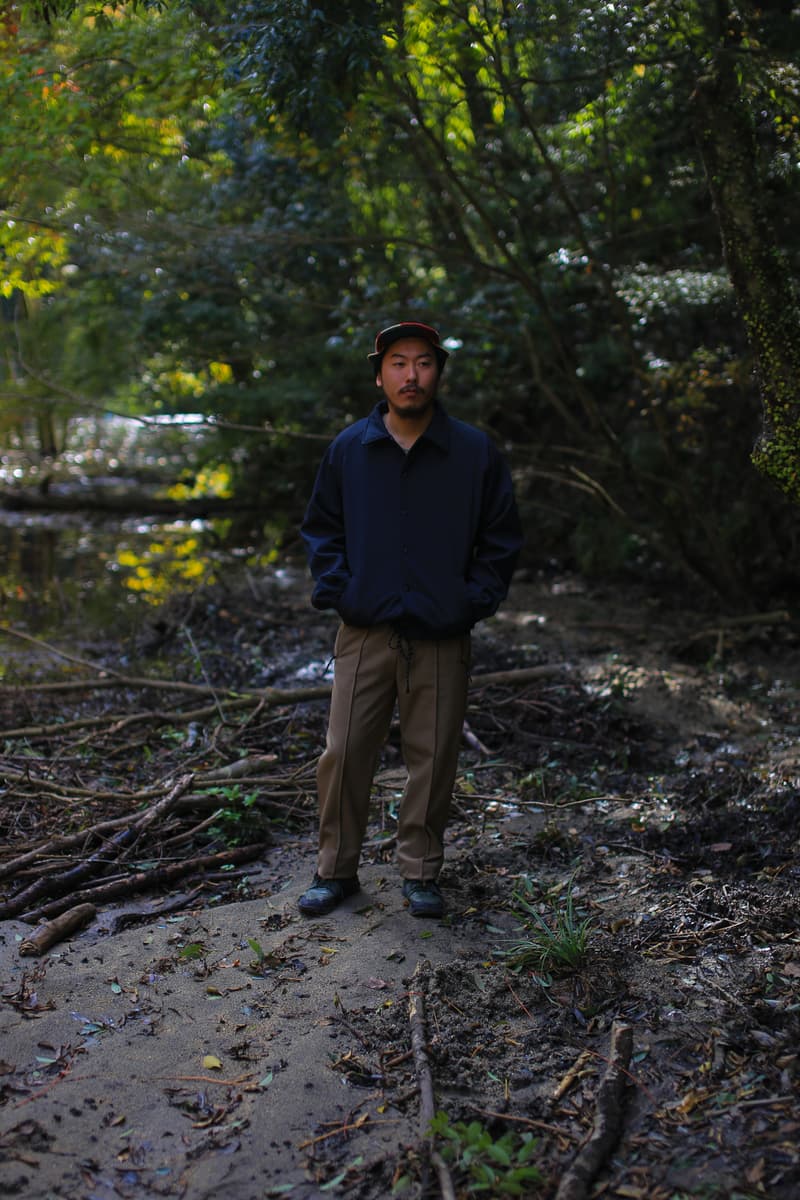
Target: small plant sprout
<point x="483" y="1165"/>
<point x="554" y="941"/>
<point x="238" y="818"/>
<point x="258" y="950"/>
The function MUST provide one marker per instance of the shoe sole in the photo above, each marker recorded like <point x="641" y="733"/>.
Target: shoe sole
<point x="426" y="912"/>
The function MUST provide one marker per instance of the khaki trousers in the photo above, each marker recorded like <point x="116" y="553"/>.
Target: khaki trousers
<point x="428" y="679"/>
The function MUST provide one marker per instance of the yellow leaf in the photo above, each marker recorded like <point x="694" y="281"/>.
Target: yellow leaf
<point x="691" y="1100"/>
<point x="639" y="69"/>
<point x="211" y="1062"/>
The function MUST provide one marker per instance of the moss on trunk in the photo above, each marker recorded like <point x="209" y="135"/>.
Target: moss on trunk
<point x="760" y="276"/>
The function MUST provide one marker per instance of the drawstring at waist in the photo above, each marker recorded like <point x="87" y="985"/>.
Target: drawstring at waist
<point x="405" y="648"/>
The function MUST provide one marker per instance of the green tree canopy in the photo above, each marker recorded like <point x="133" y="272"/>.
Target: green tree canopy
<point x="212" y="210"/>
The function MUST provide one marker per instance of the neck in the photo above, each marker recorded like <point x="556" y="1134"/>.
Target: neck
<point x="406" y="429"/>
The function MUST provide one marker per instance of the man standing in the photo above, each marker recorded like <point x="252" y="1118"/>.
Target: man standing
<point x="412" y="537"/>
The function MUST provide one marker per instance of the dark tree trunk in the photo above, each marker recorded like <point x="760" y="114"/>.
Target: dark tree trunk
<point x="760" y="276"/>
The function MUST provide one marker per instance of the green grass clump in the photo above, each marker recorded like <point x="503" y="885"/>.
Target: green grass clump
<point x="555" y="942"/>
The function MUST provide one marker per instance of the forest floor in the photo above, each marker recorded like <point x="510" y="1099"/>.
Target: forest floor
<point x="639" y="796"/>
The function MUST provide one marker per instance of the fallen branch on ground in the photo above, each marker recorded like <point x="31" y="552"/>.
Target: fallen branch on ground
<point x="66" y="881"/>
<point x="237" y="697"/>
<point x="416" y="1018"/>
<point x="57" y="930"/>
<point x="141" y="881"/>
<point x="578" y="1179"/>
<point x="56" y="885"/>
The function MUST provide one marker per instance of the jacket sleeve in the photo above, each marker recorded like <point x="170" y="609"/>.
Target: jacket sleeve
<point x="498" y="542"/>
<point x="322" y="531"/>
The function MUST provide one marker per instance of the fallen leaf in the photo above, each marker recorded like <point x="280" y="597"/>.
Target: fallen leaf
<point x="755" y="1174"/>
<point x="211" y="1062"/>
<point x="691" y="1100"/>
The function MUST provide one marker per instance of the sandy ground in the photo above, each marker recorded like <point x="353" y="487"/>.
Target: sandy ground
<point x="139" y="1070"/>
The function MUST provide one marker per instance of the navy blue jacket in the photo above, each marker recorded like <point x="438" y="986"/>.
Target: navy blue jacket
<point x="426" y="540"/>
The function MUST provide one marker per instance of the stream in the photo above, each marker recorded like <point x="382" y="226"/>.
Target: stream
<point x="100" y="571"/>
<point x="59" y="570"/>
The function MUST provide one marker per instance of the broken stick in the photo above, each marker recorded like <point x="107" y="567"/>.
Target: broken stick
<point x="57" y="930"/>
<point x="578" y="1179"/>
<point x="416" y="1018"/>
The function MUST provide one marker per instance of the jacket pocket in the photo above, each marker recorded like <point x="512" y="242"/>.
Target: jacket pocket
<point x="444" y="609"/>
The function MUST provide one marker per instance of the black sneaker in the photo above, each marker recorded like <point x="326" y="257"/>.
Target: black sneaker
<point x="324" y="894"/>
<point x="424" y="897"/>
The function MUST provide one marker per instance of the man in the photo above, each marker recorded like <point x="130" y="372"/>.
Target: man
<point x="412" y="536"/>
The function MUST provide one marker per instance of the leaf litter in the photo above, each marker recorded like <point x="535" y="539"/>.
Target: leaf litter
<point x="644" y="785"/>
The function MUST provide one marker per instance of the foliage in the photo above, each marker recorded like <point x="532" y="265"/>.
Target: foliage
<point x="238" y="820"/>
<point x="556" y="942"/>
<point x="210" y="211"/>
<point x="501" y="1167"/>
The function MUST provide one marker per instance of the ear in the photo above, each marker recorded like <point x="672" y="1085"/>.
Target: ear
<point x="378" y="380"/>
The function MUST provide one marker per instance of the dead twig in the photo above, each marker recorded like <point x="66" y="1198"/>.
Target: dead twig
<point x="66" y="881"/>
<point x="516" y="1119"/>
<point x="578" y="1068"/>
<point x="416" y="1018"/>
<point x="141" y="881"/>
<point x="575" y="1184"/>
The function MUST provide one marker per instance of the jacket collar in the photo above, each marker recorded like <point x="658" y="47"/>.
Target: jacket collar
<point x="437" y="432"/>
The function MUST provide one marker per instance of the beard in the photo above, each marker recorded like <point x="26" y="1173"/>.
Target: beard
<point x="414" y="408"/>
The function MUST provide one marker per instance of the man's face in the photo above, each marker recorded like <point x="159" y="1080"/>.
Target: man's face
<point x="409" y="374"/>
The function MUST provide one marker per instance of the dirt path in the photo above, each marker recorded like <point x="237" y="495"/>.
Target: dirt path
<point x="238" y="1050"/>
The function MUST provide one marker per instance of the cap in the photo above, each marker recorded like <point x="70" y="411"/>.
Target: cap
<point x="407" y="329"/>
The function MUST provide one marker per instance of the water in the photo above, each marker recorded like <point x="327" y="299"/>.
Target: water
<point x="93" y="570"/>
<point x="63" y="572"/>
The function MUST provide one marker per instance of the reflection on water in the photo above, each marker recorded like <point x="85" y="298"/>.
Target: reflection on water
<point x="60" y="570"/>
<point x="56" y="571"/>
